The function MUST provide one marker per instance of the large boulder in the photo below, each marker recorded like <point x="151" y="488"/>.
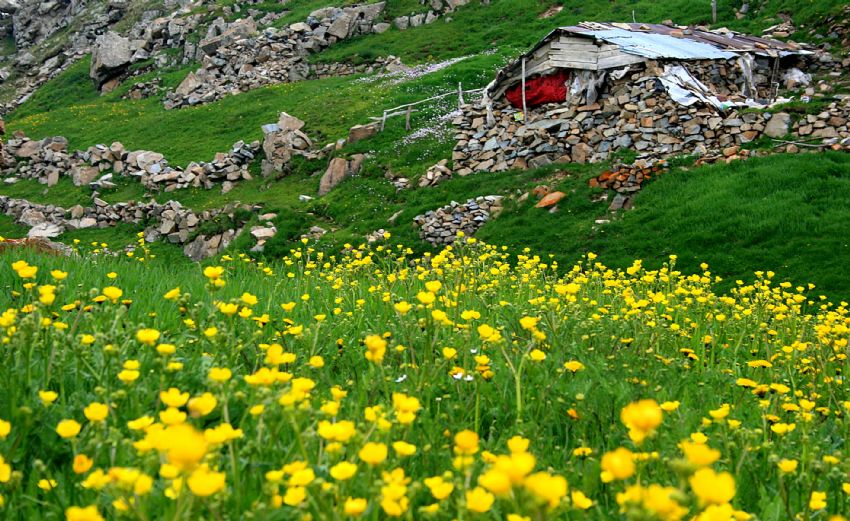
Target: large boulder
<point x="342" y="26"/>
<point x="111" y="56"/>
<point x="288" y="122"/>
<point x="9" y="6"/>
<point x="338" y="170"/>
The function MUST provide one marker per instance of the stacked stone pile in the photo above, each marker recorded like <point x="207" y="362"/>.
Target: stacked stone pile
<point x="48" y="159"/>
<point x="631" y="113"/>
<point x="281" y="141"/>
<point x="226" y="168"/>
<point x="441" y="226"/>
<point x="144" y="89"/>
<point x="45" y="160"/>
<point x="435" y="174"/>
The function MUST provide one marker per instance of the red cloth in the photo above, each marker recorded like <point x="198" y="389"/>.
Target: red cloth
<point x="540" y="90"/>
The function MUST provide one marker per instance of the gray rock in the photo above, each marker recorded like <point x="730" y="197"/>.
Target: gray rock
<point x="189" y="84"/>
<point x="45" y="231"/>
<point x="111" y="56"/>
<point x="777" y="125"/>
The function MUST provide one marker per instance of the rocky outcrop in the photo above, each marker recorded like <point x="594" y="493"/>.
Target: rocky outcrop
<point x="441" y="226"/>
<point x="630" y="114"/>
<point x="40" y="58"/>
<point x="35" y="20"/>
<point x="235" y="61"/>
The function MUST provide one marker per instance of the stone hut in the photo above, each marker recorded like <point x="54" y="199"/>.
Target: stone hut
<point x="586" y="91"/>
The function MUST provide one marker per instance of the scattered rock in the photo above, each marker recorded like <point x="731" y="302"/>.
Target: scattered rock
<point x="550" y="199"/>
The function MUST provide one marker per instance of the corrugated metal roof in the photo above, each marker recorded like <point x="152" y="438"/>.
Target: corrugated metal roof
<point x="654" y="46"/>
<point x="665" y="40"/>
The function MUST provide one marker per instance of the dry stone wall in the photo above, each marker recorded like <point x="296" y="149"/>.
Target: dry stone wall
<point x="169" y="221"/>
<point x="48" y="159"/>
<point x="633" y="113"/>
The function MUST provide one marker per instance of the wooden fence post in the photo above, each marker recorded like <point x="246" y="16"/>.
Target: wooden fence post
<point x="383" y="121"/>
<point x="460" y="102"/>
<point x="524" y="108"/>
<point x="407" y="118"/>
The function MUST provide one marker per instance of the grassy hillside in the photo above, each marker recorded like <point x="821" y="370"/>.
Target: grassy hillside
<point x="783" y="213"/>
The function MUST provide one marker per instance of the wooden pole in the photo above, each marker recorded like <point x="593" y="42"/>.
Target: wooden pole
<point x="383" y="121"/>
<point x="714" y="11"/>
<point x="460" y="102"/>
<point x="407" y="118"/>
<point x="524" y="108"/>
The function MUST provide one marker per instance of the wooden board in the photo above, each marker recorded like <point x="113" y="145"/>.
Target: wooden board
<point x="619" y="61"/>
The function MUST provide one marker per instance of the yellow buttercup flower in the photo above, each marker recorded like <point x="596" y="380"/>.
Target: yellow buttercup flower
<point x="618" y="465"/>
<point x="203" y="482"/>
<point x="817" y="501"/>
<point x="641" y="418"/>
<point x="343" y="471"/>
<point x="699" y="454"/>
<point x="712" y="487"/>
<point x="373" y="453"/>
<point x="68" y="428"/>
<point x="147" y="336"/>
<point x="96" y="412"/>
<point x="479" y="500"/>
<point x="376" y="347"/>
<point x="88" y="513"/>
<point x="787" y="466"/>
<point x="355" y="506"/>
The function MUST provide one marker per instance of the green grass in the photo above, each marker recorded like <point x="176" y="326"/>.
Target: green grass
<point x="783" y="213"/>
<point x="63" y="194"/>
<point x="665" y="337"/>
